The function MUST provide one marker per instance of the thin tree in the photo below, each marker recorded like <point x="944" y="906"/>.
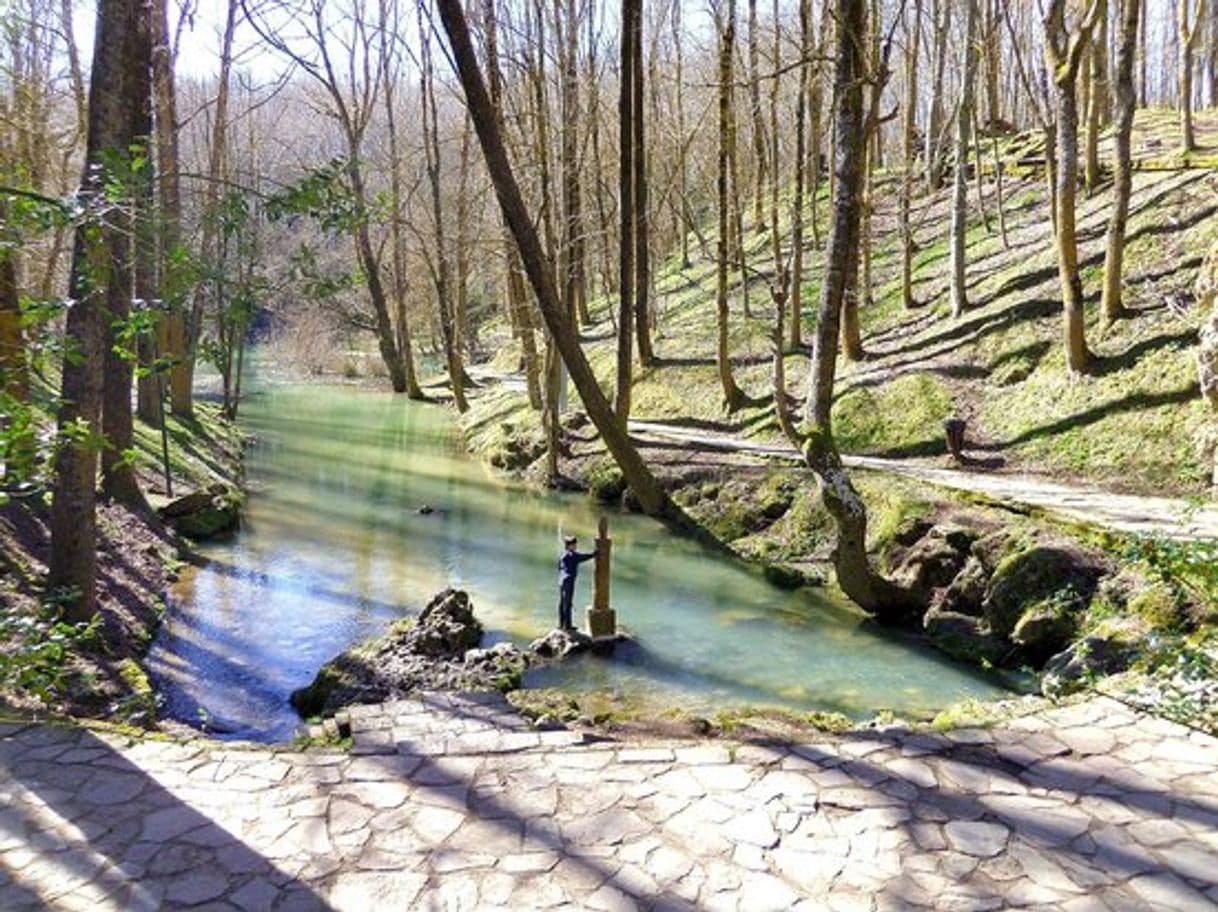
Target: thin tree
<point x="518" y="312"/>
<point x="646" y="488"/>
<point x="795" y="337"/>
<point x="964" y="120"/>
<point x="1112" y="303"/>
<point x="642" y="227"/>
<point x="1190" y="16"/>
<point x="1098" y="107"/>
<point x="431" y="155"/>
<point x="733" y="396"/>
<point x="913" y="34"/>
<point x="1064" y="50"/>
<point x="854" y="572"/>
<point x="631" y="9"/>
<point x="941" y="26"/>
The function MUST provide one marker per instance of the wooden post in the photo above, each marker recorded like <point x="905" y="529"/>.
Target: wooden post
<point x="602" y="619"/>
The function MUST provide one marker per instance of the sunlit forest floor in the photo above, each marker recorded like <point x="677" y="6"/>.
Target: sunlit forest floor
<point x="1132" y="426"/>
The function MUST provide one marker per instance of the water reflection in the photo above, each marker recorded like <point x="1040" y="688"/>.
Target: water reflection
<point x="334" y="548"/>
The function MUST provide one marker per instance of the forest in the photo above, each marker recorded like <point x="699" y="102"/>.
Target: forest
<point x="864" y="353"/>
<point x="758" y="272"/>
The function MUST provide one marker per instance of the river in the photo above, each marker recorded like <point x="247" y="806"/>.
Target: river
<point x="333" y="548"/>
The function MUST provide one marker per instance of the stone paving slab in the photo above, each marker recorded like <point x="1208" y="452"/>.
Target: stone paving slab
<point x="453" y="802"/>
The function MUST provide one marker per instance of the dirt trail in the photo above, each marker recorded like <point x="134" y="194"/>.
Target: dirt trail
<point x="1169" y="516"/>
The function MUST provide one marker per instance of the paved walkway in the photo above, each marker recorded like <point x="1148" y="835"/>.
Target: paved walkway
<point x="1169" y="516"/>
<point x="452" y="802"/>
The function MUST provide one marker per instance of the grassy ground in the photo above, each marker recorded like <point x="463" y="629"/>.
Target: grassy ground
<point x="1132" y="426"/>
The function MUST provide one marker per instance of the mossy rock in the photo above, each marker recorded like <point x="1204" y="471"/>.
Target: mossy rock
<point x="1037" y="574"/>
<point x="965" y="638"/>
<point x="1158" y="606"/>
<point x="205" y="514"/>
<point x="784" y="576"/>
<point x="1043" y="630"/>
<point x="605" y="482"/>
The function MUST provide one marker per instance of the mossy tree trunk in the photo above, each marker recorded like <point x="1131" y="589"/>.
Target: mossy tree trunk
<point x="855" y="574"/>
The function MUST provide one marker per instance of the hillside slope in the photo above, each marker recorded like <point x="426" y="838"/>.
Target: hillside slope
<point x="1133" y="426"/>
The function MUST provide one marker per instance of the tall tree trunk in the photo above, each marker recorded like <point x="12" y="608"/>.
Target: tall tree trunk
<point x="575" y="290"/>
<point x="1188" y="11"/>
<point x="97" y="265"/>
<point x="854" y="572"/>
<point x="118" y="470"/>
<point x="913" y="33"/>
<point x="795" y="337"/>
<point x="964" y="120"/>
<point x="182" y="381"/>
<point x="733" y="396"/>
<point x="169" y="211"/>
<point x="1063" y="55"/>
<point x="1097" y="97"/>
<point x="431" y="148"/>
<point x="642" y="482"/>
<point x="760" y="166"/>
<point x="642" y="259"/>
<point x="626" y="202"/>
<point x="1127" y="43"/>
<point x="934" y="122"/>
<point x="397" y="237"/>
<point x="521" y="320"/>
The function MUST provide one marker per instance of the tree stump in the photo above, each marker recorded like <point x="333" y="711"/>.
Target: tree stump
<point x="954" y="428"/>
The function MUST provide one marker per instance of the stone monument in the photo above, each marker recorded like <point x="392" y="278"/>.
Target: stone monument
<point x="602" y="619"/>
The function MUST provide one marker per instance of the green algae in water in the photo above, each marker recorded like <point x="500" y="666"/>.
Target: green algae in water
<point x="333" y="549"/>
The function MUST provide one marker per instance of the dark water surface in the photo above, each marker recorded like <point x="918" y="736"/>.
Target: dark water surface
<point x="333" y="549"/>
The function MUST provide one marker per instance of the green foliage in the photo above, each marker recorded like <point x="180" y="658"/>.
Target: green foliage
<point x="1187" y="567"/>
<point x="37" y="648"/>
<point x="323" y="194"/>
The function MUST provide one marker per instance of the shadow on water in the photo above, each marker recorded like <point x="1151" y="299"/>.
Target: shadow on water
<point x="333" y="549"/>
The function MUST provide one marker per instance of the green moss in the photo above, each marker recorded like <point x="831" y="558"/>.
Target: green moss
<point x="605" y="481"/>
<point x="901" y="417"/>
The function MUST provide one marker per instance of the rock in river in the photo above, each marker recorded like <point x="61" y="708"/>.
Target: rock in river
<point x="436" y="651"/>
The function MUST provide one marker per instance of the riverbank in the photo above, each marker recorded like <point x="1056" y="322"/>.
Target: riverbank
<point x="98" y="671"/>
<point x="1004" y="585"/>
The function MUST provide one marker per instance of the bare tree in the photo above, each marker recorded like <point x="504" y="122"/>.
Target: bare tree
<point x="733" y="396"/>
<point x="964" y="120"/>
<point x="1127" y="43"/>
<point x="1064" y="50"/>
<point x="855" y="574"/>
<point x="1190" y="16"/>
<point x="642" y="482"/>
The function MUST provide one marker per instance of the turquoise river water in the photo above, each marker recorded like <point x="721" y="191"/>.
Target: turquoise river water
<point x="333" y="549"/>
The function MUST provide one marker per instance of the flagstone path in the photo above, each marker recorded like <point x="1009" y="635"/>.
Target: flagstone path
<point x="451" y="801"/>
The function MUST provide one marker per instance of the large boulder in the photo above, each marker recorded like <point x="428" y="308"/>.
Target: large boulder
<point x="1089" y="658"/>
<point x="1040" y="573"/>
<point x="425" y="654"/>
<point x="1043" y="630"/>
<point x="212" y="512"/>
<point x="933" y="561"/>
<point x="962" y="637"/>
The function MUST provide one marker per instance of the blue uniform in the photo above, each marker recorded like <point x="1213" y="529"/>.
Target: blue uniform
<point x="568" y="569"/>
